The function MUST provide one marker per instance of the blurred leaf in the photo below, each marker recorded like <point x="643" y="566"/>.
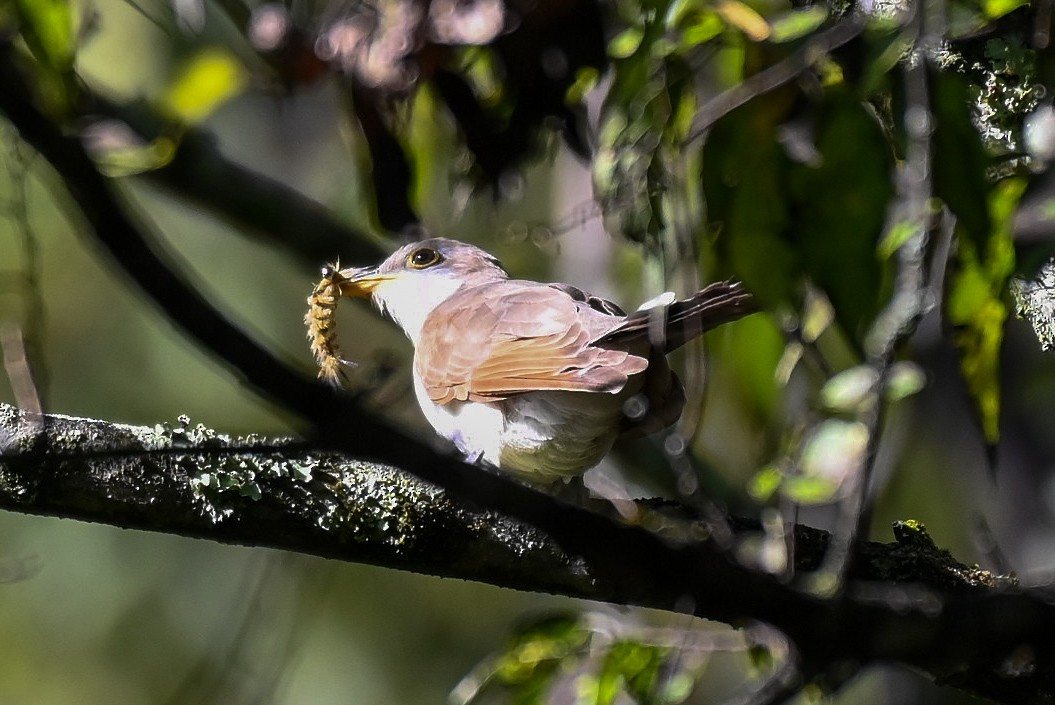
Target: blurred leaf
<point x="804" y="489"/>
<point x="817" y="316"/>
<point x="841" y="205"/>
<point x="644" y="122"/>
<point x="795" y="24"/>
<point x="960" y="159"/>
<point x="208" y="79"/>
<point x="680" y="12"/>
<point x="626" y="43"/>
<point x="765" y="483"/>
<point x="974" y="304"/>
<point x="744" y="18"/>
<point x="750" y="351"/>
<point x="745" y="190"/>
<point x="834" y="451"/>
<point x="896" y="236"/>
<point x="887" y="47"/>
<point x="585" y="80"/>
<point x="47" y="28"/>
<point x="119" y="151"/>
<point x="998" y="8"/>
<point x="630" y="667"/>
<point x="705" y="27"/>
<point x="850" y="390"/>
<point x="903" y="380"/>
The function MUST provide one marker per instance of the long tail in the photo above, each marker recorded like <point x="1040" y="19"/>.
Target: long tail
<point x="670" y="327"/>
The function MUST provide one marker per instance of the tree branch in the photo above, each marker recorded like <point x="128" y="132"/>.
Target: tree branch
<point x="991" y="640"/>
<point x="195" y="482"/>
<point x="260" y="206"/>
<point x="282" y="494"/>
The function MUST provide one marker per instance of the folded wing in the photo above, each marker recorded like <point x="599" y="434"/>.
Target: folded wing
<point x="488" y="343"/>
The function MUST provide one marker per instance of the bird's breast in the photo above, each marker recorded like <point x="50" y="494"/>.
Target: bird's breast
<point x="540" y="436"/>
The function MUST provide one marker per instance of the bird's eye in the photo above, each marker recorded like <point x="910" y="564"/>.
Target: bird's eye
<point x="424" y="257"/>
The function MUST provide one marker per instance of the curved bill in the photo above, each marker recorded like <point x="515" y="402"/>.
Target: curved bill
<point x="359" y="282"/>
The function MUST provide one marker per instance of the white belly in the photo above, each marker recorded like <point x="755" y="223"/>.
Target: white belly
<point x="540" y="436"/>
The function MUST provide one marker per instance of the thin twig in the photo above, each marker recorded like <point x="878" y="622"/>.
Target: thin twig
<point x="899" y="318"/>
<point x="775" y="76"/>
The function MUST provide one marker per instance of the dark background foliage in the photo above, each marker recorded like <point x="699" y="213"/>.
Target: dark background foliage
<point x="865" y="171"/>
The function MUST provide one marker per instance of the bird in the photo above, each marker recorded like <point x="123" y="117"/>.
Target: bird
<point x="535" y="379"/>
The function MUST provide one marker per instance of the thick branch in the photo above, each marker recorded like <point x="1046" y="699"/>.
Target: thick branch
<point x="259" y="205"/>
<point x="960" y="624"/>
<point x="997" y="643"/>
<point x="192" y="481"/>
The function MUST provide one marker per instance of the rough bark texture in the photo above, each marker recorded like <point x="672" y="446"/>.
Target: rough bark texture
<point x="192" y="481"/>
<point x="907" y="601"/>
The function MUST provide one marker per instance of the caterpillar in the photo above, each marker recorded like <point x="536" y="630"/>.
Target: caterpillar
<point x="322" y="324"/>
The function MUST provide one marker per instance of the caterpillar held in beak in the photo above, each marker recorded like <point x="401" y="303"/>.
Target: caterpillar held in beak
<point x="321" y="320"/>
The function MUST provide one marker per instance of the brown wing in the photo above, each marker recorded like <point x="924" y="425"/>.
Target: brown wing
<point x="510" y="337"/>
<point x="684" y="320"/>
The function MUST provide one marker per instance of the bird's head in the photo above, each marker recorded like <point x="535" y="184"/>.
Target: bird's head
<point x="420" y="276"/>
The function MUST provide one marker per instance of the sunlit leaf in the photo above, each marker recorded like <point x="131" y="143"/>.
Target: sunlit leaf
<point x="834" y="451"/>
<point x="680" y="11"/>
<point x="806" y="489"/>
<point x="630" y="667"/>
<point x="903" y="380"/>
<point x="898" y="234"/>
<point x="626" y="42"/>
<point x="795" y="24"/>
<point x="585" y="80"/>
<point x="119" y="151"/>
<point x="850" y="390"/>
<point x="998" y="8"/>
<point x="208" y="79"/>
<point x="744" y="18"/>
<point x="975" y="305"/>
<point x="765" y="483"/>
<point x="644" y="121"/>
<point x="47" y="27"/>
<point x="707" y="26"/>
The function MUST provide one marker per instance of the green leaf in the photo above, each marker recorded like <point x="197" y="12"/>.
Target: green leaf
<point x="795" y="24"/>
<point x="765" y="483"/>
<point x="898" y="234"/>
<point x="903" y="380"/>
<point x="834" y="451"/>
<point x="804" y="489"/>
<point x="841" y="202"/>
<point x="850" y="390"/>
<point x="644" y="120"/>
<point x="208" y="79"/>
<point x="47" y="28"/>
<point x="975" y="305"/>
<point x="706" y="27"/>
<point x="744" y="18"/>
<point x="960" y="161"/>
<point x="745" y="190"/>
<point x="998" y="8"/>
<point x="585" y="80"/>
<point x="631" y="667"/>
<point x="624" y="44"/>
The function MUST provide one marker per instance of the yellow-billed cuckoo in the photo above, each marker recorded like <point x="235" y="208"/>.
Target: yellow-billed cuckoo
<point x="536" y="379"/>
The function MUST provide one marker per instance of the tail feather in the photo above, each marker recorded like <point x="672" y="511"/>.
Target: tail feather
<point x="670" y="327"/>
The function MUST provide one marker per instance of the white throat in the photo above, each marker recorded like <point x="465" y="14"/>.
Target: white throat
<point x="409" y="300"/>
